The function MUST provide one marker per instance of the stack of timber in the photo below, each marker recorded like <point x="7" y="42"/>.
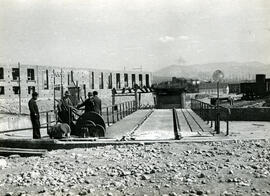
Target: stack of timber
<point x="23" y="152"/>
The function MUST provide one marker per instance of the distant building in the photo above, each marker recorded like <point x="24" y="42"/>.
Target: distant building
<point x="257" y="89"/>
<point x="211" y="88"/>
<point x="234" y="88"/>
<point x="189" y="85"/>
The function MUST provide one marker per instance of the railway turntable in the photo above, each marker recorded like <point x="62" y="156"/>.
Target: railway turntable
<point x="147" y="126"/>
<point x="160" y="124"/>
<point x="126" y="123"/>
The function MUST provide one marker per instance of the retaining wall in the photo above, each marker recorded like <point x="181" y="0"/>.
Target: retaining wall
<point x="250" y="114"/>
<point x="239" y="114"/>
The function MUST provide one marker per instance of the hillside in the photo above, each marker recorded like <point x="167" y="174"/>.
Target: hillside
<point x="232" y="70"/>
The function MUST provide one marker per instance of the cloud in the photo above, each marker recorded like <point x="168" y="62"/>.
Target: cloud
<point x="166" y="39"/>
<point x="134" y="48"/>
<point x="183" y="37"/>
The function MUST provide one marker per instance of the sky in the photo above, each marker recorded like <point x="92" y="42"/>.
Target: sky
<point x="125" y="34"/>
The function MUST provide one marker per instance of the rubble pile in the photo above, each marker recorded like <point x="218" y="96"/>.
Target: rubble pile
<point x="217" y="168"/>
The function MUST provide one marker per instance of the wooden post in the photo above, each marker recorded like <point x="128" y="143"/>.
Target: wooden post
<point x="136" y="100"/>
<point x="84" y="90"/>
<point x="217" y="126"/>
<point x="37" y="80"/>
<point x="117" y="112"/>
<point x="61" y="83"/>
<point x="140" y="96"/>
<point x="113" y="114"/>
<point x="20" y="104"/>
<point x="207" y="113"/>
<point x="47" y="120"/>
<point x="211" y="115"/>
<point x="69" y="120"/>
<point x="123" y="110"/>
<point x="120" y="110"/>
<point x="227" y="130"/>
<point x="78" y="92"/>
<point x="126" y="108"/>
<point x="108" y="119"/>
<point x="176" y="125"/>
<point x="53" y="90"/>
<point x="113" y="97"/>
<point x="183" y="100"/>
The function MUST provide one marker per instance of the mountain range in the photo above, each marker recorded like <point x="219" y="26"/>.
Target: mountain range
<point x="233" y="71"/>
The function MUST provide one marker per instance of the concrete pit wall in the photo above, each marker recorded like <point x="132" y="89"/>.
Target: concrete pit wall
<point x="11" y="121"/>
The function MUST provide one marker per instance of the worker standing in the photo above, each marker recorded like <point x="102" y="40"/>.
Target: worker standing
<point x="34" y="115"/>
<point x="65" y="108"/>
<point x="88" y="103"/>
<point x="97" y="103"/>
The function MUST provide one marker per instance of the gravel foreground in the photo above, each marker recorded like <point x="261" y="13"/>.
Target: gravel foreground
<point x="212" y="168"/>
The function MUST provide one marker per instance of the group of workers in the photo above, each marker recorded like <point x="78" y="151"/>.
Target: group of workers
<point x="65" y="108"/>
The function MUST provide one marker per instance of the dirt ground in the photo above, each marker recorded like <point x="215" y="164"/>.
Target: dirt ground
<point x="210" y="168"/>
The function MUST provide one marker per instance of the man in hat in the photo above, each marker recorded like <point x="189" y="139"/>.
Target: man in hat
<point x="65" y="108"/>
<point x="97" y="103"/>
<point x="88" y="103"/>
<point x="34" y="115"/>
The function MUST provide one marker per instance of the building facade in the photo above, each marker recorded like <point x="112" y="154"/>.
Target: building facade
<point x="211" y="88"/>
<point x="43" y="79"/>
<point x="21" y="80"/>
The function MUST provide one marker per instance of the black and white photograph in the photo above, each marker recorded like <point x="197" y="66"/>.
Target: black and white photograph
<point x="135" y="97"/>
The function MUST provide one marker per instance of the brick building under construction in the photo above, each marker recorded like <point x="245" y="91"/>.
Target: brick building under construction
<point x="44" y="79"/>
